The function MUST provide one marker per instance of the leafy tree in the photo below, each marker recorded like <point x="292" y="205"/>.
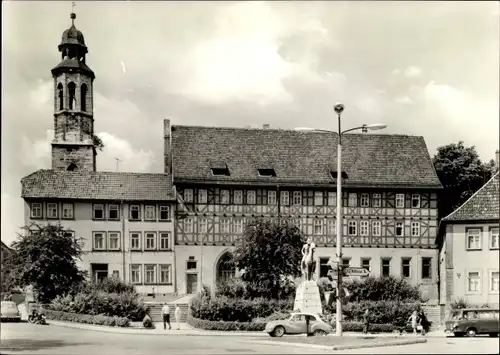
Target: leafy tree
<point x="461" y="173"/>
<point x="46" y="259"/>
<point x="98" y="143"/>
<point x="269" y="256"/>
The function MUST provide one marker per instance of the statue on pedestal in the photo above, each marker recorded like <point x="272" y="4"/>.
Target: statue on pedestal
<point x="307" y="297"/>
<point x="308" y="264"/>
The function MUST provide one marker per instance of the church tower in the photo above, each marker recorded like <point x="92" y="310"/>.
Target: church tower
<point x="73" y="145"/>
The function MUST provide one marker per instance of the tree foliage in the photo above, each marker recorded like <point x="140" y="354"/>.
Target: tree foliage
<point x="270" y="255"/>
<point x="98" y="143"/>
<point x="46" y="259"/>
<point x="461" y="173"/>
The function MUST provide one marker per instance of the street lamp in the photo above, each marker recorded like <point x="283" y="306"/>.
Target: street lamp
<point x="339" y="108"/>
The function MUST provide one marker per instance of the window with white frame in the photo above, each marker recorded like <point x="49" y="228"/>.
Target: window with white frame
<point x="188" y="225"/>
<point x="426" y="268"/>
<point x="202" y="196"/>
<point x="352" y="228"/>
<point x="271" y="197"/>
<point x="202" y="225"/>
<point x="318" y="198"/>
<point x="135" y="212"/>
<point x="385" y="265"/>
<point x="377" y="200"/>
<point x="36" y="210"/>
<point x="165" y="240"/>
<point x="238" y="197"/>
<point x="51" y="210"/>
<point x="352" y="200"/>
<point x="474" y="239"/>
<point x="164" y="213"/>
<point x="473" y="281"/>
<point x="150" y="274"/>
<point x="165" y="274"/>
<point x="494" y="281"/>
<point x="346" y="262"/>
<point x="224" y="225"/>
<point x="331" y="227"/>
<point x="415" y="201"/>
<point x="400" y="200"/>
<point x="399" y="229"/>
<point x="285" y="198"/>
<point x="188" y="195"/>
<point x="376" y="228"/>
<point x="363" y="228"/>
<point x="67" y="211"/>
<point x="494" y="238"/>
<point x="135" y="240"/>
<point x="238" y="226"/>
<point x="406" y="267"/>
<point x="99" y="241"/>
<point x="365" y="200"/>
<point x="113" y="212"/>
<point x="98" y="211"/>
<point x="150" y="240"/>
<point x="135" y="273"/>
<point x="149" y="213"/>
<point x="332" y="198"/>
<point x="365" y="263"/>
<point x="318" y="227"/>
<point x="251" y="197"/>
<point x="224" y="197"/>
<point x="415" y="229"/>
<point x="114" y="240"/>
<point x="297" y="198"/>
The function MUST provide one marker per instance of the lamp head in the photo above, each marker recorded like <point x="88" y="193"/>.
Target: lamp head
<point x="338" y="108"/>
<point x="376" y="126"/>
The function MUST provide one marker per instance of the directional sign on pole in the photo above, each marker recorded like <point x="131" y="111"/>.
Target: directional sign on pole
<point x="355" y="271"/>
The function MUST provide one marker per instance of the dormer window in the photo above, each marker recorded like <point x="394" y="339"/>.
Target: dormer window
<point x="220" y="171"/>
<point x="267" y="172"/>
<point x="334" y="174"/>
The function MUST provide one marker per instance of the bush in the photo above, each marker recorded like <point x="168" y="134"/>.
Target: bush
<point x="237" y="288"/>
<point x="382" y="289"/>
<point x="109" y="285"/>
<point x="272" y="317"/>
<point x="87" y="318"/>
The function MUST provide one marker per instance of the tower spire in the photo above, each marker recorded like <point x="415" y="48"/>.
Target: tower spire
<point x="73" y="15"/>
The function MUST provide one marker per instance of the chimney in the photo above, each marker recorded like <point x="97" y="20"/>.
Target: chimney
<point x="167" y="150"/>
<point x="265" y="126"/>
<point x="497" y="160"/>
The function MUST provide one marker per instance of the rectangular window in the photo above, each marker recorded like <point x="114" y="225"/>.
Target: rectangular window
<point x="69" y="233"/>
<point x="191" y="264"/>
<point x="67" y="211"/>
<point x="98" y="211"/>
<point x="318" y="226"/>
<point x="400" y="200"/>
<point x="36" y="210"/>
<point x="135" y="271"/>
<point x="165" y="274"/>
<point x="318" y="198"/>
<point x="113" y="212"/>
<point x="494" y="238"/>
<point x="332" y="198"/>
<point x="494" y="281"/>
<point x="164" y="213"/>
<point x="415" y="229"/>
<point x="399" y="229"/>
<point x="426" y="268"/>
<point x="365" y="263"/>
<point x="224" y="225"/>
<point x="202" y="225"/>
<point x="149" y="213"/>
<point x="285" y="198"/>
<point x="114" y="240"/>
<point x="188" y="225"/>
<point x="474" y="239"/>
<point x="376" y="228"/>
<point x="99" y="242"/>
<point x="164" y="241"/>
<point x="363" y="228"/>
<point x="353" y="200"/>
<point x="224" y="197"/>
<point x="238" y="226"/>
<point x="352" y="228"/>
<point x="251" y="197"/>
<point x="406" y="267"/>
<point x="331" y="227"/>
<point x="297" y="198"/>
<point x="386" y="267"/>
<point x="188" y="195"/>
<point x="473" y="282"/>
<point x="346" y="262"/>
<point x="415" y="201"/>
<point x="135" y="241"/>
<point x="365" y="200"/>
<point x="51" y="210"/>
<point x="150" y="274"/>
<point x="150" y="241"/>
<point x="377" y="200"/>
<point x="271" y="197"/>
<point x="135" y="212"/>
<point x="324" y="267"/>
<point x="238" y="197"/>
<point x="202" y="196"/>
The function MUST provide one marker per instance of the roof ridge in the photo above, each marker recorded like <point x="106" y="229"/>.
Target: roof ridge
<point x="77" y="172"/>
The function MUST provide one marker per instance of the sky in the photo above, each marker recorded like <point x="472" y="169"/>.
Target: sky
<point x="423" y="68"/>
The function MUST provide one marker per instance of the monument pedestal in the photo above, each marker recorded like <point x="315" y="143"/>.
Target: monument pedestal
<point x="307" y="298"/>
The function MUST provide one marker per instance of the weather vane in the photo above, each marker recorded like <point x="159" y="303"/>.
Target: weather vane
<point x="73" y="4"/>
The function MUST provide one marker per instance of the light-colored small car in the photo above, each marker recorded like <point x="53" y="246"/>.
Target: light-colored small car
<point x="297" y="324"/>
<point x="472" y="321"/>
<point x="9" y="311"/>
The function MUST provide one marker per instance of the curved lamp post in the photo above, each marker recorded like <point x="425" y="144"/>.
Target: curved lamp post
<point x="339" y="108"/>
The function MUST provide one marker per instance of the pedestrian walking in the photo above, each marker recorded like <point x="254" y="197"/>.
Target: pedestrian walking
<point x="178" y="313"/>
<point x="423" y="322"/>
<point x="413" y="321"/>
<point x="165" y="312"/>
<point x="366" y="321"/>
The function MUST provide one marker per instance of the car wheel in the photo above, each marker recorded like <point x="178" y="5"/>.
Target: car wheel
<point x="279" y="331"/>
<point x="471" y="332"/>
<point x="319" y="333"/>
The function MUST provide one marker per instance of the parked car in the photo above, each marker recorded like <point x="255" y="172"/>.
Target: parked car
<point x="9" y="311"/>
<point x="473" y="321"/>
<point x="296" y="324"/>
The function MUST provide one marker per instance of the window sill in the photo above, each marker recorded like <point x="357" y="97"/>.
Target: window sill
<point x="52" y="218"/>
<point x="494" y="248"/>
<point x="150" y="283"/>
<point x="165" y="220"/>
<point x="39" y="218"/>
<point x="98" y="219"/>
<point x="474" y="249"/>
<point x="137" y="283"/>
<point x="136" y="250"/>
<point x="150" y="220"/>
<point x="114" y="219"/>
<point x="135" y="220"/>
<point x="151" y="249"/>
<point x="98" y="250"/>
<point x="165" y="283"/>
<point x="165" y="249"/>
<point x="114" y="250"/>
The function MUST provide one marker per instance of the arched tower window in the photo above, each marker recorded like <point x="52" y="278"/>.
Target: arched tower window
<point x="226" y="268"/>
<point x="72" y="167"/>
<point x="83" y="97"/>
<point x="60" y="96"/>
<point x="71" y="93"/>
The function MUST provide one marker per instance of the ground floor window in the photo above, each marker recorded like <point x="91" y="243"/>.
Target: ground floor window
<point x="473" y="281"/>
<point x="226" y="269"/>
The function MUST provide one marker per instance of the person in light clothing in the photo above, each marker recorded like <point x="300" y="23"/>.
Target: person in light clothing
<point x="413" y="319"/>
<point x="165" y="312"/>
<point x="178" y="316"/>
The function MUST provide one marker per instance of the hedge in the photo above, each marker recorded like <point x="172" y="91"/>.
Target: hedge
<point x="87" y="318"/>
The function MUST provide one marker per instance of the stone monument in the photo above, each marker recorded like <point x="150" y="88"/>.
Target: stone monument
<point x="307" y="298"/>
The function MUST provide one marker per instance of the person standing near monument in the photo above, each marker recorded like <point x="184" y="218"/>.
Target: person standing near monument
<point x="366" y="321"/>
<point x="178" y="316"/>
<point x="165" y="313"/>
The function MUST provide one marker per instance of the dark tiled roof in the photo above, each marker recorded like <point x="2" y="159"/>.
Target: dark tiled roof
<point x="300" y="157"/>
<point x="73" y="63"/>
<point x="97" y="186"/>
<point x="483" y="205"/>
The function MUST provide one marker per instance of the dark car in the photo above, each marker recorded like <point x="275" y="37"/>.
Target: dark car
<point x="473" y="321"/>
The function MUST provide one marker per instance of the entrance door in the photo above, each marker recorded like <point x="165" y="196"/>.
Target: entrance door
<point x="191" y="283"/>
<point x="99" y="271"/>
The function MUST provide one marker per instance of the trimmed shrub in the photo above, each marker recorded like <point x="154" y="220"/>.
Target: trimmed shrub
<point x="86" y="318"/>
<point x="272" y="317"/>
<point x="237" y="288"/>
<point x="382" y="289"/>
